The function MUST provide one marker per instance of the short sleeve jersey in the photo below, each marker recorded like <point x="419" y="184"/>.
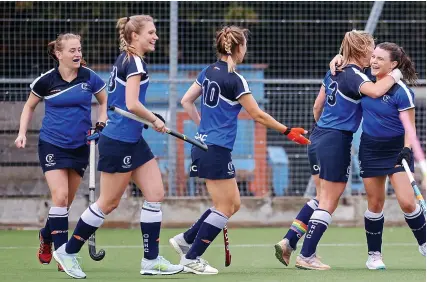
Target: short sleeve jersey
<point x="219" y="104"/>
<point x="120" y="127"/>
<point x="342" y="108"/>
<point x="67" y="106"/>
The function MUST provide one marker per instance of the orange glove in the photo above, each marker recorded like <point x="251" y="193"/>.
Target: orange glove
<point x="295" y="134"/>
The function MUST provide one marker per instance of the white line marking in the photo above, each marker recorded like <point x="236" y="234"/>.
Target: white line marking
<point x="231" y="245"/>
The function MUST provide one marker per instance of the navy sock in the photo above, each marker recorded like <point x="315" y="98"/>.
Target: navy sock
<point x="374" y="225"/>
<point x="191" y="233"/>
<point x="58" y="225"/>
<point x="417" y="222"/>
<point x="150" y="222"/>
<point x="45" y="232"/>
<point x="209" y="229"/>
<point x="317" y="225"/>
<point x="299" y="226"/>
<point x="91" y="219"/>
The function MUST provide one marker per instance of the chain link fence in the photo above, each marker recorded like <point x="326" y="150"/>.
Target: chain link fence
<point x="289" y="48"/>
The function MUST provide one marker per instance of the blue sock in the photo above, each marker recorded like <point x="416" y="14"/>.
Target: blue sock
<point x="58" y="225"/>
<point x="150" y="221"/>
<point x="317" y="225"/>
<point x="209" y="229"/>
<point x="191" y="233"/>
<point x="91" y="219"/>
<point x="374" y="225"/>
<point x="299" y="226"/>
<point x="45" y="232"/>
<point x="417" y="222"/>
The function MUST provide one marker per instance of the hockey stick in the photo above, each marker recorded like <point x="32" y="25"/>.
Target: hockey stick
<point x="91" y="242"/>
<point x="414" y="186"/>
<point x="169" y="131"/>
<point x="227" y="247"/>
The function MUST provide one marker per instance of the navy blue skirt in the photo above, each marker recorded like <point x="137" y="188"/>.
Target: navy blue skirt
<point x="52" y="157"/>
<point x="378" y="155"/>
<point x="214" y="164"/>
<point x="333" y="152"/>
<point x="119" y="156"/>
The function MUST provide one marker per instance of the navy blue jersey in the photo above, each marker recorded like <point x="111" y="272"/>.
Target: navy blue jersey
<point x="120" y="127"/>
<point x="342" y="109"/>
<point x="381" y="115"/>
<point x="67" y="106"/>
<point x="220" y="106"/>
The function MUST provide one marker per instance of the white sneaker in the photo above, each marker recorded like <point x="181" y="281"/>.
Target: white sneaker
<point x="159" y="266"/>
<point x="197" y="266"/>
<point x="179" y="244"/>
<point x="283" y="251"/>
<point x="310" y="263"/>
<point x="422" y="249"/>
<point x="69" y="263"/>
<point x="375" y="261"/>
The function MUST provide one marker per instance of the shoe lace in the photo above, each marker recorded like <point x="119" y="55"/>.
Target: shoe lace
<point x="45" y="248"/>
<point x="202" y="261"/>
<point x="76" y="261"/>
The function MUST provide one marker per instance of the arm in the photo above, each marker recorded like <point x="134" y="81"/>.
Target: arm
<point x="409" y="132"/>
<point x="251" y="106"/>
<point x="135" y="106"/>
<point x="378" y="89"/>
<point x="26" y="115"/>
<point x="319" y="103"/>
<point x="101" y="97"/>
<point x="188" y="100"/>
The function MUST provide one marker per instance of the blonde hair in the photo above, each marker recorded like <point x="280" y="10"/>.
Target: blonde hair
<point x="227" y="41"/>
<point x="126" y="26"/>
<point x="57" y="45"/>
<point x="354" y="46"/>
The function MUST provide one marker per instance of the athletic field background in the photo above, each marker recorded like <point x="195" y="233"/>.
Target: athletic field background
<point x="344" y="249"/>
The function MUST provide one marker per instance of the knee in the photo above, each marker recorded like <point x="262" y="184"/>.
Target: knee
<point x="156" y="195"/>
<point x="236" y="205"/>
<point x="375" y="206"/>
<point x="408" y="206"/>
<point x="108" y="207"/>
<point x="60" y="199"/>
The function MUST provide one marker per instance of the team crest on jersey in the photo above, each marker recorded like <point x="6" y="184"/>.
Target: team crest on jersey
<point x="386" y="98"/>
<point x="85" y="87"/>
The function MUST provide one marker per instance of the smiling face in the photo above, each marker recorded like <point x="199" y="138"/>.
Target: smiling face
<point x="145" y="41"/>
<point x="71" y="54"/>
<point x="381" y="63"/>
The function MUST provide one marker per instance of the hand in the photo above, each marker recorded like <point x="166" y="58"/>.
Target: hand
<point x="336" y="62"/>
<point x="405" y="154"/>
<point x="396" y="74"/>
<point x="99" y="126"/>
<point x="159" y="123"/>
<point x="20" y="141"/>
<point x="295" y="134"/>
<point x="158" y="116"/>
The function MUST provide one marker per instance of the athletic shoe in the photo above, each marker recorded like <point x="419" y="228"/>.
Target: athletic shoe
<point x="45" y="251"/>
<point x="283" y="251"/>
<point x="422" y="249"/>
<point x="375" y="261"/>
<point x="179" y="244"/>
<point x="197" y="266"/>
<point x="69" y="263"/>
<point x="159" y="266"/>
<point x="311" y="263"/>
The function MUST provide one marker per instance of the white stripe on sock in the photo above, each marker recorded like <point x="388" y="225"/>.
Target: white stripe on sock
<point x="217" y="219"/>
<point x="150" y="216"/>
<point x="413" y="214"/>
<point x="313" y="204"/>
<point x="58" y="212"/>
<point x="374" y="216"/>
